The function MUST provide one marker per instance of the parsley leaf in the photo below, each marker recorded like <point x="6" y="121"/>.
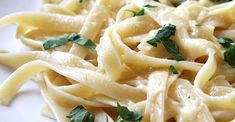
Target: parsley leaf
<point x="141" y="11"/>
<point x="73" y="36"/>
<point x="229" y="54"/>
<point x="171" y="48"/>
<point x="181" y="1"/>
<point x="82" y="1"/>
<point x="215" y="1"/>
<point x="154" y="42"/>
<point x="54" y="42"/>
<point x="166" y="32"/>
<point x="163" y="36"/>
<point x="126" y="115"/>
<point x="220" y="1"/>
<point x="149" y="6"/>
<point x="173" y="70"/>
<point x="157" y="1"/>
<point x="225" y="42"/>
<point x="80" y="114"/>
<point x="85" y="42"/>
<point x="107" y="118"/>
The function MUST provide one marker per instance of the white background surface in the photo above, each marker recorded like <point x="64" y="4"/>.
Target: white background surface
<point x="26" y="107"/>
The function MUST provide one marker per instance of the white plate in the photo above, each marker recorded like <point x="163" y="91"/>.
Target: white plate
<point x="27" y="105"/>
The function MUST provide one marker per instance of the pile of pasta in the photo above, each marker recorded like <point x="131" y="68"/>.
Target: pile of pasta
<point x="124" y="68"/>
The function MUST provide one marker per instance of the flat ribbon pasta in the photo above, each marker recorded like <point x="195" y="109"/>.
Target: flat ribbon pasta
<point x="123" y="51"/>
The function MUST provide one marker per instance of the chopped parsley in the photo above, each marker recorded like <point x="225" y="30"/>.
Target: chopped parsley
<point x="149" y="6"/>
<point x="107" y="118"/>
<point x="57" y="41"/>
<point x="82" y="41"/>
<point x="82" y="1"/>
<point x="220" y="1"/>
<point x="141" y="11"/>
<point x="163" y="36"/>
<point x="215" y="1"/>
<point x="157" y="1"/>
<point x="80" y="114"/>
<point x="126" y="115"/>
<point x="225" y="42"/>
<point x="181" y="1"/>
<point x="229" y="54"/>
<point x="173" y="70"/>
<point x="54" y="42"/>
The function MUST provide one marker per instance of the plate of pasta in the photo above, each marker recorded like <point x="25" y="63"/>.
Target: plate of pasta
<point x="121" y="61"/>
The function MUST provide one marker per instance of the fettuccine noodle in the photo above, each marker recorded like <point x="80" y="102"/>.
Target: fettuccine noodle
<point x="124" y="67"/>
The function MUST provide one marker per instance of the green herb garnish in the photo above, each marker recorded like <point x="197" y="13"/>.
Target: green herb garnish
<point x="107" y="118"/>
<point x="82" y="41"/>
<point x="80" y="114"/>
<point x="173" y="70"/>
<point x="126" y="115"/>
<point x="220" y="1"/>
<point x="157" y="1"/>
<point x="171" y="48"/>
<point x="82" y="1"/>
<point x="229" y="54"/>
<point x="54" y="42"/>
<point x="163" y="36"/>
<point x="215" y="1"/>
<point x="149" y="6"/>
<point x="225" y="42"/>
<point x="141" y="11"/>
<point x="181" y="1"/>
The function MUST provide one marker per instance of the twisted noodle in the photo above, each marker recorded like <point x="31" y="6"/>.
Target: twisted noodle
<point x="124" y="68"/>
